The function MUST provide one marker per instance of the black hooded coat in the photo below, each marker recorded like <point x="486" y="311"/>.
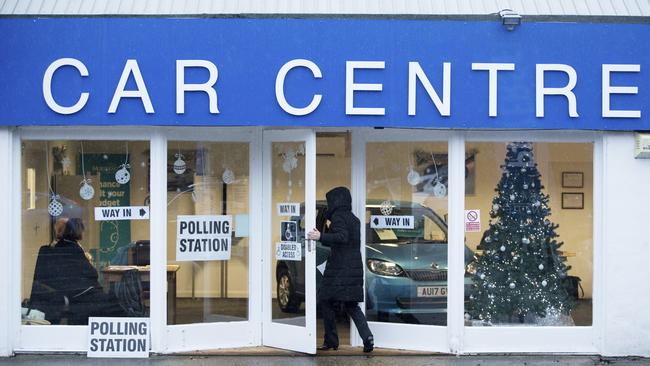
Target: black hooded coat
<point x="343" y="277"/>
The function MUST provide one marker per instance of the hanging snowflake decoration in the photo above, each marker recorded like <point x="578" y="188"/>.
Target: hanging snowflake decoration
<point x="228" y="176"/>
<point x="86" y="192"/>
<point x="413" y="177"/>
<point x="123" y="176"/>
<point x="55" y="208"/>
<point x="386" y="208"/>
<point x="179" y="165"/>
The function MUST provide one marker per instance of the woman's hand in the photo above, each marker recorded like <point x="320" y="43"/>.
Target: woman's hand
<point x="313" y="235"/>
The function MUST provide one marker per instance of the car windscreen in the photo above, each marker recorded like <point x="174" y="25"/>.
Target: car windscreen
<point x="427" y="228"/>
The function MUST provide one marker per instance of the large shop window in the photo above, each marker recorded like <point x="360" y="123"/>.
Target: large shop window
<point x="528" y="222"/>
<point x="85" y="230"/>
<point x="207" y="231"/>
<point x="406" y="232"/>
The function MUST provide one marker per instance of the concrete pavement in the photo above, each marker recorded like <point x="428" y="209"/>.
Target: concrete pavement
<point x="499" y="360"/>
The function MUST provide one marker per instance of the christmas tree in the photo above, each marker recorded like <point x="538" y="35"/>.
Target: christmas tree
<point x="519" y="274"/>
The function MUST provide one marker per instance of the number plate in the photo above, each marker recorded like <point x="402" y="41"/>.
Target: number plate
<point x="432" y="291"/>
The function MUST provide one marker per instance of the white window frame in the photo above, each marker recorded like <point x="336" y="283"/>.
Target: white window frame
<point x="52" y="338"/>
<point x="569" y="339"/>
<point x="457" y="338"/>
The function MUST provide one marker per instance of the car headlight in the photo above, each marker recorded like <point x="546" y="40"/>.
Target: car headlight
<point x="385" y="268"/>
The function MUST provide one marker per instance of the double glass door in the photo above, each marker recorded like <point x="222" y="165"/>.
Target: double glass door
<point x="254" y="194"/>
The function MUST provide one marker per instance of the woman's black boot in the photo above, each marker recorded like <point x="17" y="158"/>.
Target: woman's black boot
<point x="368" y="344"/>
<point x="327" y="347"/>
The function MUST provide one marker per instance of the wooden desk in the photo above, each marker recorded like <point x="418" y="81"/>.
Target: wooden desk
<point x="113" y="274"/>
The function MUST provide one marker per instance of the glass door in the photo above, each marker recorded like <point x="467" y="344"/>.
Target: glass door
<point x="289" y="289"/>
<point x="405" y="192"/>
<point x="211" y="297"/>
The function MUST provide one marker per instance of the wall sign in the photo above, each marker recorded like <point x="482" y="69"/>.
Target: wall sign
<point x="288" y="209"/>
<point x="203" y="237"/>
<point x="324" y="72"/>
<point x="391" y="222"/>
<point x="472" y="221"/>
<point x="122" y="213"/>
<point x="118" y="337"/>
<point x="288" y="251"/>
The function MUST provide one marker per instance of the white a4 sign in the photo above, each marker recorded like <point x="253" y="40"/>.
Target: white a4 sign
<point x="203" y="237"/>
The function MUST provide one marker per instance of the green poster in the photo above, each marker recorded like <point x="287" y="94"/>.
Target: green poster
<point x="117" y="233"/>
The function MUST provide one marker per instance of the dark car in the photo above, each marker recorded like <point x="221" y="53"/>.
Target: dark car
<point x="406" y="268"/>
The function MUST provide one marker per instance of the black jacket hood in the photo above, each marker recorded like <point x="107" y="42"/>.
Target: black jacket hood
<point x="338" y="198"/>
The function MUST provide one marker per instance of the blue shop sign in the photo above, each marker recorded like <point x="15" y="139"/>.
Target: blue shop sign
<point x="323" y="72"/>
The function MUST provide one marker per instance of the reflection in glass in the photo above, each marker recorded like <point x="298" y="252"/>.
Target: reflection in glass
<point x="78" y="261"/>
<point x="529" y="265"/>
<point x="207" y="187"/>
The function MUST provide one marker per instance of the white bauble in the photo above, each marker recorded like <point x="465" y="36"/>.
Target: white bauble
<point x="413" y="177"/>
<point x="180" y="165"/>
<point x="503" y="248"/>
<point x="55" y="208"/>
<point x="439" y="190"/>
<point x="386" y="208"/>
<point x="228" y="176"/>
<point x="86" y="192"/>
<point x="122" y="176"/>
<point x="512" y="285"/>
<point x="544" y="283"/>
<point x="541" y="267"/>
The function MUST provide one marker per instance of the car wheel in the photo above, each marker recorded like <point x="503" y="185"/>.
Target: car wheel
<point x="286" y="293"/>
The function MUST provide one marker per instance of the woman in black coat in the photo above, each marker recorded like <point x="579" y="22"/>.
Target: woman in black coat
<point x="78" y="279"/>
<point x="343" y="277"/>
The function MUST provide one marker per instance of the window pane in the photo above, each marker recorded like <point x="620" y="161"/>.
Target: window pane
<point x="207" y="231"/>
<point x="85" y="248"/>
<point x="406" y="232"/>
<point x="529" y="222"/>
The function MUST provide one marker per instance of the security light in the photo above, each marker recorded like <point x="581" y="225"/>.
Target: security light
<point x="509" y="19"/>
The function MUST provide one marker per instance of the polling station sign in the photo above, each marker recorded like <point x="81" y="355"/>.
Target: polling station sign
<point x="391" y="222"/>
<point x="118" y="337"/>
<point x="122" y="213"/>
<point x="203" y="237"/>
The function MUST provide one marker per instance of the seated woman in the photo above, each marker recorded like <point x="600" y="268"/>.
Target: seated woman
<point x="78" y="279"/>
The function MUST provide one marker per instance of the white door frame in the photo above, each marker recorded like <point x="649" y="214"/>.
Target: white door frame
<point x="393" y="335"/>
<point x="201" y="336"/>
<point x="274" y="334"/>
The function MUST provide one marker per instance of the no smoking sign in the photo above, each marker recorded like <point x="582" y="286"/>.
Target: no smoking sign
<point x="472" y="221"/>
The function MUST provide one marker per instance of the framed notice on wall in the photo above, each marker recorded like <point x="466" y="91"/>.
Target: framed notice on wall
<point x="573" y="201"/>
<point x="572" y="179"/>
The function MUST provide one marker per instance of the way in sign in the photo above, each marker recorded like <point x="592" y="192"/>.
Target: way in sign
<point x="391" y="222"/>
<point x="122" y="213"/>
